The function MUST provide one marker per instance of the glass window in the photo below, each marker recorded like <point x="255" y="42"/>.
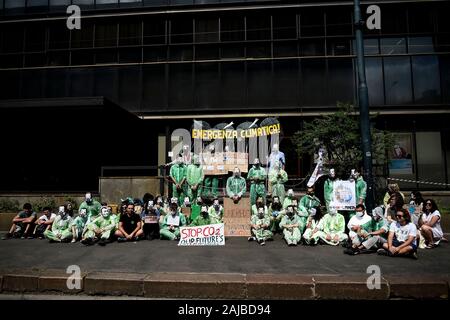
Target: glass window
<point x="106" y="34"/>
<point x="258" y="50"/>
<point x="59" y="35"/>
<point x="107" y="3"/>
<point x="83" y="38"/>
<point x="130" y="55"/>
<point x="234" y="50"/>
<point x="420" y="45"/>
<point x="181" y="2"/>
<point x="106" y="56"/>
<point x="207" y="85"/>
<point x="314" y="84"/>
<point x="443" y="43"/>
<point x="56" y="83"/>
<point x="11" y="61"/>
<point x="181" y="30"/>
<point x="285" y="49"/>
<point x="443" y="22"/>
<point x="312" y="47"/>
<point x="371" y="47"/>
<point x="374" y="77"/>
<point x="206" y="30"/>
<point x="393" y="46"/>
<point x="180" y="53"/>
<point x="312" y="23"/>
<point x="37" y="5"/>
<point x="81" y="82"/>
<point x="420" y="19"/>
<point x="155" y="54"/>
<point x="206" y="52"/>
<point x="82" y="57"/>
<point x="14" y="4"/>
<point x="397" y="77"/>
<point x="58" y="58"/>
<point x="285" y="86"/>
<point x="35" y="60"/>
<point x="130" y="92"/>
<point x="444" y="63"/>
<point x="284" y="25"/>
<point x="233" y="84"/>
<point x="59" y="5"/>
<point x="33" y="81"/>
<point x="83" y="3"/>
<point x="429" y="158"/>
<point x="340" y="81"/>
<point x="426" y="79"/>
<point x="12" y="38"/>
<point x="339" y="21"/>
<point x="393" y="19"/>
<point x="155" y="3"/>
<point x="35" y="37"/>
<point x="232" y="28"/>
<point x="130" y="33"/>
<point x="154" y="30"/>
<point x="154" y="87"/>
<point x="259" y="81"/>
<point x="258" y="27"/>
<point x="180" y="86"/>
<point x="338" y="47"/>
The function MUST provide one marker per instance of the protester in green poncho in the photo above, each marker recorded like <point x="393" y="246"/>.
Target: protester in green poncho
<point x="288" y="200"/>
<point x="277" y="178"/>
<point x="260" y="227"/>
<point x="257" y="177"/>
<point x="194" y="179"/>
<point x="216" y="212"/>
<point x="92" y="207"/>
<point x="178" y="177"/>
<point x="100" y="229"/>
<point x="78" y="225"/>
<point x="236" y="186"/>
<point x="328" y="188"/>
<point x="61" y="230"/>
<point x="331" y="228"/>
<point x="173" y="220"/>
<point x="290" y="226"/>
<point x="203" y="219"/>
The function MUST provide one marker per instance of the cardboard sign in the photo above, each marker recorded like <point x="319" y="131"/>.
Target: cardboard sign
<point x="344" y="195"/>
<point x="236" y="217"/>
<point x="151" y="219"/>
<point x="186" y="211"/>
<point x="208" y="235"/>
<point x="173" y="221"/>
<point x="236" y="159"/>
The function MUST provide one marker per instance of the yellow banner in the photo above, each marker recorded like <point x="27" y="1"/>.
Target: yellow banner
<point x="212" y="134"/>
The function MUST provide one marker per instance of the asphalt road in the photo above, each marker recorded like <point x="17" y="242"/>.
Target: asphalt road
<point x="237" y="256"/>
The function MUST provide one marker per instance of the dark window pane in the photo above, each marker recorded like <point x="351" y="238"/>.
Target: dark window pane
<point x="312" y="23"/>
<point x="338" y="47"/>
<point x="180" y="86"/>
<point x="393" y="46"/>
<point x="106" y="34"/>
<point x="233" y="84"/>
<point x="206" y="30"/>
<point x="284" y="25"/>
<point x="285" y="49"/>
<point x="130" y="33"/>
<point x="397" y="77"/>
<point x="207" y="85"/>
<point x="106" y="56"/>
<point x="130" y="88"/>
<point x="420" y="45"/>
<point x="35" y="60"/>
<point x="10" y="84"/>
<point x="181" y="2"/>
<point x="154" y="87"/>
<point x="181" y="30"/>
<point x="312" y="47"/>
<point x="130" y="3"/>
<point x="12" y="38"/>
<point x="106" y="83"/>
<point x="130" y="55"/>
<point x="232" y="28"/>
<point x="82" y="57"/>
<point x="14" y="6"/>
<point x="393" y="19"/>
<point x="81" y="82"/>
<point x="339" y="21"/>
<point x="285" y="84"/>
<point x="258" y="50"/>
<point x="59" y="4"/>
<point x="11" y="61"/>
<point x="35" y="37"/>
<point x="180" y="53"/>
<point x="426" y="79"/>
<point x="258" y="27"/>
<point x="234" y="50"/>
<point x="444" y="62"/>
<point x="259" y="80"/>
<point x="33" y="84"/>
<point x="206" y="52"/>
<point x="58" y="58"/>
<point x="155" y="54"/>
<point x="374" y="76"/>
<point x="56" y="83"/>
<point x="155" y="3"/>
<point x="37" y="5"/>
<point x="59" y="35"/>
<point x="443" y="22"/>
<point x="420" y="19"/>
<point x="340" y="80"/>
<point x="314" y="84"/>
<point x="83" y="3"/>
<point x="443" y="43"/>
<point x="107" y="3"/>
<point x="371" y="47"/>
<point x="154" y="30"/>
<point x="84" y="37"/>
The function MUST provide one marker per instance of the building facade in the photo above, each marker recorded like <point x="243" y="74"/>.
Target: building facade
<point x="169" y="61"/>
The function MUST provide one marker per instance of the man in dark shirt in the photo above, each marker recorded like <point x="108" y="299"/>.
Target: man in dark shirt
<point x="21" y="223"/>
<point x="130" y="225"/>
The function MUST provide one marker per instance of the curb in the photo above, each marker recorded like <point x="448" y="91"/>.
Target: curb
<point x="228" y="286"/>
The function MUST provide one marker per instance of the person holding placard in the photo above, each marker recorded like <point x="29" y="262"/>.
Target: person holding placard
<point x="277" y="178"/>
<point x="257" y="177"/>
<point x="203" y="218"/>
<point x="170" y="228"/>
<point x="236" y="186"/>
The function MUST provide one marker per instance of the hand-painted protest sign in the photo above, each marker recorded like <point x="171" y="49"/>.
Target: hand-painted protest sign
<point x="173" y="221"/>
<point x="237" y="217"/>
<point x="208" y="235"/>
<point x="344" y="195"/>
<point x="151" y="219"/>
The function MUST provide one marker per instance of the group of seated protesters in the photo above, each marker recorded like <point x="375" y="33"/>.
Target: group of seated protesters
<point x="394" y="229"/>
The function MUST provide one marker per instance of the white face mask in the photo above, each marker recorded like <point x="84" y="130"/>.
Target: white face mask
<point x="359" y="214"/>
<point x="83" y="212"/>
<point x="105" y="212"/>
<point x="333" y="213"/>
<point x="332" y="173"/>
